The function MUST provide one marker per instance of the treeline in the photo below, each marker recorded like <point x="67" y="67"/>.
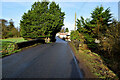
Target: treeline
<point x="102" y="35"/>
<point x="8" y="29"/>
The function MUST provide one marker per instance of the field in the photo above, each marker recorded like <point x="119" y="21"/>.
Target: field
<point x="16" y="40"/>
<point x="7" y="46"/>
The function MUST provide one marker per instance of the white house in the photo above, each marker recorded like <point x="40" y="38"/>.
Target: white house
<point x="64" y="35"/>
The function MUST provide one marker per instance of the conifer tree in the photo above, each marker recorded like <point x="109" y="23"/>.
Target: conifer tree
<point x="44" y="19"/>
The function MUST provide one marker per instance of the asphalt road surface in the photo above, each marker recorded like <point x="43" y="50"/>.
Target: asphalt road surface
<point x="54" y="60"/>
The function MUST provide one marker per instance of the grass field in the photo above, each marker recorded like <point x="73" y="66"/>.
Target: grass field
<point x="16" y="40"/>
<point x="8" y="45"/>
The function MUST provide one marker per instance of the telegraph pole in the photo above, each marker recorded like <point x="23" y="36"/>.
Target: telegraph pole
<point x="75" y="21"/>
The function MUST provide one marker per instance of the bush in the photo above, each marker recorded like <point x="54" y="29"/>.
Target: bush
<point x="8" y="47"/>
<point x="75" y="35"/>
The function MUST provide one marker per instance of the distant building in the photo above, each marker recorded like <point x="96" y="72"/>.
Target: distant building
<point x="65" y="36"/>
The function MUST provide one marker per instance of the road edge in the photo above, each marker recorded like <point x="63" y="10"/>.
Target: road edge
<point x="76" y="63"/>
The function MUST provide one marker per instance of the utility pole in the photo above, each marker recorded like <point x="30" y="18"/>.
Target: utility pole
<point x="75" y="21"/>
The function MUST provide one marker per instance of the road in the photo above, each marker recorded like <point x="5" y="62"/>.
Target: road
<point x="54" y="60"/>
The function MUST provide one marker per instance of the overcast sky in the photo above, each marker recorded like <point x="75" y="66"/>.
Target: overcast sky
<point x="14" y="9"/>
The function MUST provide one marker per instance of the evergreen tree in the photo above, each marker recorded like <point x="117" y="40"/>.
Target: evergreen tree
<point x="96" y="27"/>
<point x="44" y="19"/>
<point x="101" y="19"/>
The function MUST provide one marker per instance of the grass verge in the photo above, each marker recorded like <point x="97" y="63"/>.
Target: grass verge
<point x="92" y="64"/>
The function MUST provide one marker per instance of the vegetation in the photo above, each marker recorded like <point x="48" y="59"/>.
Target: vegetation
<point x="66" y="30"/>
<point x="95" y="27"/>
<point x="93" y="62"/>
<point x="75" y="35"/>
<point x="8" y="29"/>
<point x="101" y="34"/>
<point x="9" y="45"/>
<point x="16" y="40"/>
<point x="44" y="19"/>
<point x="62" y="30"/>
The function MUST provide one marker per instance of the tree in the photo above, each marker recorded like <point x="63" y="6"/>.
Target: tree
<point x="57" y="19"/>
<point x="66" y="30"/>
<point x="3" y="23"/>
<point x="11" y="25"/>
<point x="106" y="30"/>
<point x="44" y="19"/>
<point x="33" y="23"/>
<point x="101" y="19"/>
<point x="110" y="43"/>
<point x="110" y="46"/>
<point x="12" y="31"/>
<point x="75" y="35"/>
<point x="96" y="26"/>
<point x="8" y="29"/>
<point x="62" y="30"/>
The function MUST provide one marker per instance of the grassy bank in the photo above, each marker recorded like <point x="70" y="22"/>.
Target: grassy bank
<point x="8" y="46"/>
<point x="93" y="63"/>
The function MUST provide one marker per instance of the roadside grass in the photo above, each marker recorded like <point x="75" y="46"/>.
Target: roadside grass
<point x="94" y="62"/>
<point x="8" y="46"/>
